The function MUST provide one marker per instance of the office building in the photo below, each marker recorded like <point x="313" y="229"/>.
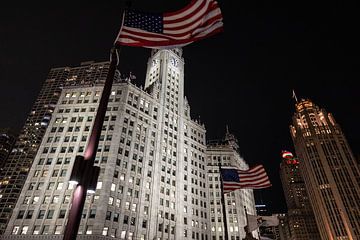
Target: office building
<point x="226" y="152"/>
<point x="329" y="170"/>
<point x="300" y="217"/>
<point x="152" y="183"/>
<point x="7" y="140"/>
<point x="17" y="165"/>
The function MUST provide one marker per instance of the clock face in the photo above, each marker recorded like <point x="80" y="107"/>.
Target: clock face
<point x="174" y="62"/>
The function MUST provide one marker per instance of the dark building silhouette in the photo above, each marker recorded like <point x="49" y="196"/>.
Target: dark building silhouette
<point x="7" y="140"/>
<point x="300" y="217"/>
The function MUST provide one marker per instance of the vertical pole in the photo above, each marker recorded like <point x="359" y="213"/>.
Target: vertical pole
<point x="248" y="235"/>
<point x="223" y="204"/>
<point x="79" y="196"/>
<point x="247" y="221"/>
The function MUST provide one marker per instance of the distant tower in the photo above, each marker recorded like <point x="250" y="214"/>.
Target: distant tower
<point x="7" y="140"/>
<point x="20" y="159"/>
<point x="226" y="151"/>
<point x="300" y="217"/>
<point x="329" y="170"/>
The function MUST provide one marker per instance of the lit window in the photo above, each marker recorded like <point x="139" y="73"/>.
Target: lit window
<point x="36" y="230"/>
<point x="88" y="230"/>
<point x="60" y="185"/>
<point x="15" y="230"/>
<point x="58" y="229"/>
<point x="105" y="231"/>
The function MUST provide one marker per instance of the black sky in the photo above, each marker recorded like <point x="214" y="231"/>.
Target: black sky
<point x="266" y="50"/>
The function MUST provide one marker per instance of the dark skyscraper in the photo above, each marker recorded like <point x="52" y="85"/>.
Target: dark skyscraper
<point x="7" y="140"/>
<point x="329" y="170"/>
<point x="300" y="217"/>
<point x="18" y="163"/>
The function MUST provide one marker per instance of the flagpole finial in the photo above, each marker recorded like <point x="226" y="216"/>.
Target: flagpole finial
<point x="294" y="95"/>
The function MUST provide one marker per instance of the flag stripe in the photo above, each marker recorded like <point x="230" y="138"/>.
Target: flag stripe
<point x="199" y="20"/>
<point x="253" y="178"/>
<point x="189" y="9"/>
<point x="138" y="36"/>
<point x="185" y="20"/>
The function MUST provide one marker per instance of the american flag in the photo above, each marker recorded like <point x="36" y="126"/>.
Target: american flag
<point x="253" y="178"/>
<point x="198" y="20"/>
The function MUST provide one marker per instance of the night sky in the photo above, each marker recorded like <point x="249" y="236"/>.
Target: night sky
<point x="242" y="77"/>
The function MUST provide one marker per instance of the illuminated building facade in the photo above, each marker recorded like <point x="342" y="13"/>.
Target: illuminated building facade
<point x="300" y="217"/>
<point x="7" y="140"/>
<point x="20" y="159"/>
<point x="329" y="170"/>
<point x="152" y="155"/>
<point x="226" y="152"/>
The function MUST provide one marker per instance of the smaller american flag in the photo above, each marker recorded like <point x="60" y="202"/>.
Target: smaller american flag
<point x="253" y="178"/>
<point x="199" y="19"/>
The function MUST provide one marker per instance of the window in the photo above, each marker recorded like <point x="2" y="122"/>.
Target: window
<point x="20" y="214"/>
<point x="51" y="185"/>
<point x="55" y="173"/>
<point x="55" y="199"/>
<point x="41" y="214"/>
<point x="15" y="230"/>
<point x="88" y="230"/>
<point x="92" y="213"/>
<point x="24" y="230"/>
<point x="116" y="217"/>
<point x="58" y="229"/>
<point x="126" y="219"/>
<point x="63" y="173"/>
<point x="62" y="213"/>
<point x="108" y="215"/>
<point x="36" y="198"/>
<point x="50" y="214"/>
<point x="105" y="231"/>
<point x="60" y="186"/>
<point x="36" y="230"/>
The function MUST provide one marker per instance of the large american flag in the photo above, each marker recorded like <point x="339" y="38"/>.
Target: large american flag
<point x="253" y="178"/>
<point x="198" y="20"/>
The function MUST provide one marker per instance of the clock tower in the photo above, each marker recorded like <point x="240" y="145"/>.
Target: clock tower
<point x="165" y="75"/>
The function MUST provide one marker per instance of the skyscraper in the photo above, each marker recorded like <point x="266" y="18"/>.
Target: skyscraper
<point x="7" y="140"/>
<point x="18" y="163"/>
<point x="226" y="152"/>
<point x="300" y="217"/>
<point x="152" y="182"/>
<point x="329" y="170"/>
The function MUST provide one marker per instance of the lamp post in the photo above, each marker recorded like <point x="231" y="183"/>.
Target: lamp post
<point x="84" y="173"/>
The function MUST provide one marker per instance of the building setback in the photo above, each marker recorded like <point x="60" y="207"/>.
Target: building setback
<point x="329" y="170"/>
<point x="300" y="217"/>
<point x="20" y="159"/>
<point x="153" y="182"/>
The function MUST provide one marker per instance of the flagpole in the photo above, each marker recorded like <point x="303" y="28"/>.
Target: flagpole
<point x="87" y="161"/>
<point x="248" y="235"/>
<point x="247" y="221"/>
<point x="223" y="204"/>
<point x="85" y="169"/>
